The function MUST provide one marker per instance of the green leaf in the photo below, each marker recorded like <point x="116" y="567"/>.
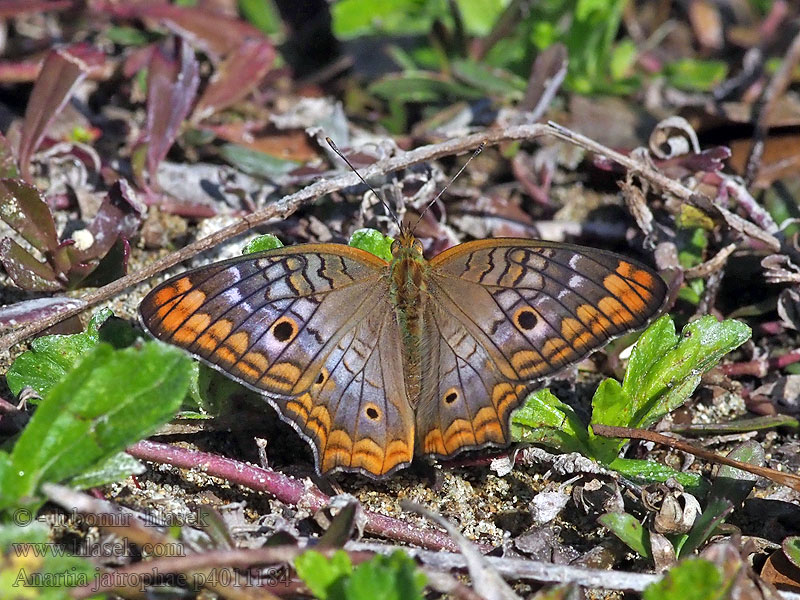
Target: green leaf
<point x="650" y="471"/>
<point x="52" y="356"/>
<point x="696" y="75"/>
<point x="115" y="468"/>
<point x="392" y="577"/>
<point x="374" y="242"/>
<point x="628" y="529"/>
<point x="422" y="86"/>
<point x="732" y="484"/>
<point x="663" y="372"/>
<point x="490" y="80"/>
<point x="714" y="514"/>
<point x="791" y="548"/>
<point x="262" y="14"/>
<point x="623" y="59"/>
<point x="111" y="399"/>
<point x="544" y="419"/>
<point x="261" y="243"/>
<point x="695" y="579"/>
<point x="365" y="17"/>
<point x="322" y="575"/>
<point x="257" y="163"/>
<point x="128" y="36"/>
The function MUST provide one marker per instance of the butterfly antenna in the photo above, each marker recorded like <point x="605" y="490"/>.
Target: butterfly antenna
<point x="364" y="181"/>
<point x="478" y="150"/>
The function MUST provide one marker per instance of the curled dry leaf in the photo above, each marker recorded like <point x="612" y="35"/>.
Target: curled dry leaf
<point x="782" y="568"/>
<point x="779" y="268"/>
<point x="677" y="513"/>
<point x="598" y="495"/>
<point x="789" y="308"/>
<point x="779" y="396"/>
<point x="662" y="552"/>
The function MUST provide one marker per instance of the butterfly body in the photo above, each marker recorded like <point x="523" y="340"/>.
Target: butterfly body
<point x="374" y="361"/>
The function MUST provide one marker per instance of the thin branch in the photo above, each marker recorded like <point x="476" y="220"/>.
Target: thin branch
<point x="788" y="479"/>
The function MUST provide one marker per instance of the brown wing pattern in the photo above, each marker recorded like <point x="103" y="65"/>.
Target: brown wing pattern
<point x="308" y="326"/>
<point x="510" y="312"/>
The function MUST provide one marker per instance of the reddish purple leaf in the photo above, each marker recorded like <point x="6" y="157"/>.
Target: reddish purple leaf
<point x="59" y="76"/>
<point x="710" y="160"/>
<point x="112" y="266"/>
<point x="118" y="217"/>
<point x="172" y="84"/>
<point x="17" y="8"/>
<point x="237" y="76"/>
<point x="35" y="310"/>
<point x="216" y="34"/>
<point x="24" y="270"/>
<point x="22" y="207"/>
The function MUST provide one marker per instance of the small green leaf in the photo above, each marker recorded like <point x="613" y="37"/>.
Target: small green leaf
<point x="732" y="484"/>
<point x="116" y="468"/>
<point x="695" y="579"/>
<point x="128" y="36"/>
<point x="696" y="75"/>
<point x="544" y="419"/>
<point x="394" y="577"/>
<point x="374" y="242"/>
<point x="111" y="399"/>
<point x="422" y="86"/>
<point x="791" y="548"/>
<point x="712" y="517"/>
<point x="650" y="471"/>
<point x="51" y="357"/>
<point x="261" y="243"/>
<point x="322" y="575"/>
<point x="628" y="529"/>
<point x="623" y="59"/>
<point x="262" y="14"/>
<point x="490" y="80"/>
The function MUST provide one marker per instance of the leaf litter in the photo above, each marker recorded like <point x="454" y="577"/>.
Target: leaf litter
<point x="159" y="105"/>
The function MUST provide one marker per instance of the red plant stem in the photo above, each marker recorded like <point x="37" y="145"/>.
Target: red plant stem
<point x="759" y="368"/>
<point x="286" y="489"/>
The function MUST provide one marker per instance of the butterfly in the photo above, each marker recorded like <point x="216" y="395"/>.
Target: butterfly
<point x="374" y="362"/>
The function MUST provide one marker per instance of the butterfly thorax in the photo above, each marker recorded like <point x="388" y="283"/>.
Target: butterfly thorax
<point x="409" y="294"/>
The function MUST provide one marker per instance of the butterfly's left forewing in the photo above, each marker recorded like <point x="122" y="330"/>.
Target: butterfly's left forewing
<point x="309" y="327"/>
<point x="506" y="313"/>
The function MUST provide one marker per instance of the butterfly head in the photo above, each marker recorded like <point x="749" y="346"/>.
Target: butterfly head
<point x="406" y="245"/>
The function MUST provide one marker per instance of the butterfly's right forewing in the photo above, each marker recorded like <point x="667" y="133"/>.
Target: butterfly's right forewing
<point x="507" y="312"/>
